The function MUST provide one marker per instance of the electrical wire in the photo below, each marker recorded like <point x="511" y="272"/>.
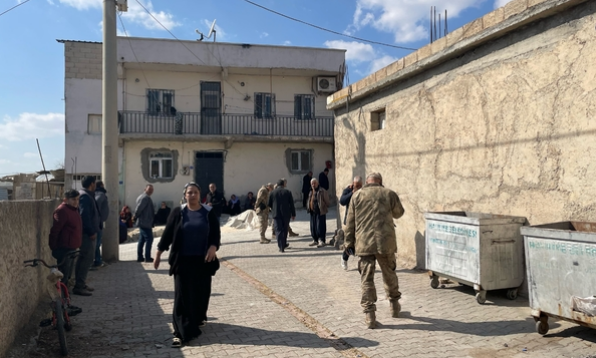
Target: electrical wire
<point x="133" y="51"/>
<point x="331" y="31"/>
<point x="14" y="7"/>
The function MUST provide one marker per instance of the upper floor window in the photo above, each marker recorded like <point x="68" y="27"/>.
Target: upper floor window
<point x="377" y="120"/>
<point x="264" y="105"/>
<point x="161" y="165"/>
<point x="304" y="106"/>
<point x="94" y="124"/>
<point x="160" y="102"/>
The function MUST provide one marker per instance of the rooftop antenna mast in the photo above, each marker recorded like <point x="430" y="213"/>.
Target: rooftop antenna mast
<point x="212" y="31"/>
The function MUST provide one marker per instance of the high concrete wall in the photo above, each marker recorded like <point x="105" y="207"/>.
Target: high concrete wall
<point x="505" y="128"/>
<point x="24" y="230"/>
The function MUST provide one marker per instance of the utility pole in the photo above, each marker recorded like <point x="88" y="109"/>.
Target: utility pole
<point x="109" y="128"/>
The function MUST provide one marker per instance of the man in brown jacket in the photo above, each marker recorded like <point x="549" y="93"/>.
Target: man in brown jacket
<point x="370" y="232"/>
<point x="317" y="207"/>
<point x="262" y="209"/>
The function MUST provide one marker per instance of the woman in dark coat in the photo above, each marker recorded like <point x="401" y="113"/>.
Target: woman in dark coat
<point x="234" y="206"/>
<point x="193" y="236"/>
<point x="250" y="201"/>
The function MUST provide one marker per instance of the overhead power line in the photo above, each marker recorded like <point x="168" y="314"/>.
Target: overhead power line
<point x="14" y="7"/>
<point x="331" y="31"/>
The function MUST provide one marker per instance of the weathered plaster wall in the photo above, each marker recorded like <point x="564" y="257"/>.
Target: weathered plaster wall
<point x="247" y="166"/>
<point x="25" y="226"/>
<point x="507" y="128"/>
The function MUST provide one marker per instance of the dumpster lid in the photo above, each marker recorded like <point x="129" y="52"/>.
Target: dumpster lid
<point x="564" y="230"/>
<point x="468" y="217"/>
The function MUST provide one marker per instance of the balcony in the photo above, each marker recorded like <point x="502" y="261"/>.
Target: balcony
<point x="197" y="124"/>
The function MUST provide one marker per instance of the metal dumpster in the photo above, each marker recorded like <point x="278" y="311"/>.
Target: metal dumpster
<point x="484" y="251"/>
<point x="561" y="270"/>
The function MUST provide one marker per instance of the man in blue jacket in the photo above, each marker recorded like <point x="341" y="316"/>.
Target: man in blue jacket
<point x="91" y="226"/>
<point x="104" y="211"/>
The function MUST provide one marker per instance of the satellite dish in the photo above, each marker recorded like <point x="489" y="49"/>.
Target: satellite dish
<point x="212" y="31"/>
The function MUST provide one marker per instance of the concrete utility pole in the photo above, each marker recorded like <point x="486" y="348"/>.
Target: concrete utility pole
<point x="109" y="127"/>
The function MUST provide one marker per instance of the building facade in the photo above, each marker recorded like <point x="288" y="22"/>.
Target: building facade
<point x="238" y="115"/>
<point x="497" y="117"/>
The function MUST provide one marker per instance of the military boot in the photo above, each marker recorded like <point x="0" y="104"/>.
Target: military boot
<point x="264" y="240"/>
<point x="370" y="319"/>
<point x="395" y="308"/>
<point x="291" y="233"/>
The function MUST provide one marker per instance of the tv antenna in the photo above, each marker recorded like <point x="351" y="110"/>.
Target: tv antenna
<point x="212" y="31"/>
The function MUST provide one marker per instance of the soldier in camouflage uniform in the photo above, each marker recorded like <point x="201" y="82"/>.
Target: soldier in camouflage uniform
<point x="370" y="232"/>
<point x="262" y="209"/>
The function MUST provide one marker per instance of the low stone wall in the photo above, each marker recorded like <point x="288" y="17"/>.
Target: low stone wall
<point x="24" y="230"/>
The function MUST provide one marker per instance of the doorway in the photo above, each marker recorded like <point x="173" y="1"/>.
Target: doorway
<point x="209" y="169"/>
<point x="210" y="108"/>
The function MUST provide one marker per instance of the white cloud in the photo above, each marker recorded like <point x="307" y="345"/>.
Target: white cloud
<point x="264" y="34"/>
<point x="407" y="20"/>
<point x="501" y="3"/>
<point x="135" y="13"/>
<point x="31" y="126"/>
<point x="51" y="2"/>
<point x="30" y="155"/>
<point x="220" y="33"/>
<point x="356" y="51"/>
<point x="5" y="161"/>
<point x="287" y="43"/>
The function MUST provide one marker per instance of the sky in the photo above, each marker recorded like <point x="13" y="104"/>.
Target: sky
<point x="32" y="62"/>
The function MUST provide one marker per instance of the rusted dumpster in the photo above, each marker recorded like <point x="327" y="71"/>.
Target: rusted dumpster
<point x="561" y="270"/>
<point x="484" y="251"/>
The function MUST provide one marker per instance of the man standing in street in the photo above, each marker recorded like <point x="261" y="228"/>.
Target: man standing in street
<point x="66" y="233"/>
<point x="306" y="188"/>
<point x="324" y="179"/>
<point x="144" y="215"/>
<point x="104" y="211"/>
<point x="216" y="200"/>
<point x="346" y="196"/>
<point x="262" y="209"/>
<point x="370" y="232"/>
<point x="318" y="204"/>
<point x="91" y="226"/>
<point x="281" y="203"/>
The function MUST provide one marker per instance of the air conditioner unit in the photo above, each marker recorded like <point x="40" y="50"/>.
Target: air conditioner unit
<point x="326" y="84"/>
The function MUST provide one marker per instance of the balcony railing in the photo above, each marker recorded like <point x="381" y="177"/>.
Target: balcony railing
<point x="224" y="124"/>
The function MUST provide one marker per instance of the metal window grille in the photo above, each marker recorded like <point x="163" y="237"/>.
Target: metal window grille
<point x="264" y="105"/>
<point x="160" y="102"/>
<point x="304" y="106"/>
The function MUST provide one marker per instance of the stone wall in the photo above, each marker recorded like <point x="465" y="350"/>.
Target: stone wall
<point x="506" y="127"/>
<point x="83" y="59"/>
<point x="24" y="230"/>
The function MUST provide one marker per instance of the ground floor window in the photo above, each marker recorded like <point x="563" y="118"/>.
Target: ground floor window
<point x="161" y="165"/>
<point x="300" y="160"/>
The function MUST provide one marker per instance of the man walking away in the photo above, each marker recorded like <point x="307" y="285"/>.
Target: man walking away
<point x="318" y="204"/>
<point x="216" y="200"/>
<point x="291" y="232"/>
<point x="306" y="188"/>
<point x="104" y="211"/>
<point x="262" y="209"/>
<point x="324" y="179"/>
<point x="281" y="203"/>
<point x="346" y="196"/>
<point x="91" y="226"/>
<point x="144" y="216"/>
<point x="66" y="233"/>
<point x="370" y="233"/>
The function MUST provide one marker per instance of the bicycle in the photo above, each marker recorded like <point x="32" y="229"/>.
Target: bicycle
<point x="61" y="308"/>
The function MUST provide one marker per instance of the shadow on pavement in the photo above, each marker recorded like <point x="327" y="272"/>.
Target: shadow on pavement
<point x="223" y="333"/>
<point x="484" y="329"/>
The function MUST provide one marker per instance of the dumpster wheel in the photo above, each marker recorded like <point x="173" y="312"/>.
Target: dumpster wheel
<point x="481" y="297"/>
<point x="542" y="327"/>
<point x="434" y="281"/>
<point x="512" y="293"/>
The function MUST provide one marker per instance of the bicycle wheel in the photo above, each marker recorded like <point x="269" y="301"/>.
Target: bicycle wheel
<point x="59" y="312"/>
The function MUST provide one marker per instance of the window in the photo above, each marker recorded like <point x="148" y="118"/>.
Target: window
<point x="161" y="165"/>
<point x="160" y="102"/>
<point x="377" y="120"/>
<point x="300" y="161"/>
<point x="304" y="106"/>
<point x="264" y="105"/>
<point x="94" y="124"/>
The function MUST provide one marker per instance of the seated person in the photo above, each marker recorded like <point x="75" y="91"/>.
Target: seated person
<point x="126" y="216"/>
<point x="162" y="214"/>
<point x="250" y="201"/>
<point x="234" y="206"/>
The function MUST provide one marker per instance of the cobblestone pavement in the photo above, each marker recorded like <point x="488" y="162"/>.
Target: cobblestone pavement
<point x="302" y="304"/>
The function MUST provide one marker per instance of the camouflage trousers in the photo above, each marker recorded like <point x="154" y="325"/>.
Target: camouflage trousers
<point x="263" y="221"/>
<point x="366" y="267"/>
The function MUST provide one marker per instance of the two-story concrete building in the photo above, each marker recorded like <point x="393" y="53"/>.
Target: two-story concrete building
<point x="238" y="115"/>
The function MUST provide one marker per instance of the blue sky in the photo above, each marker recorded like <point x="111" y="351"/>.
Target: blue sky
<point x="32" y="62"/>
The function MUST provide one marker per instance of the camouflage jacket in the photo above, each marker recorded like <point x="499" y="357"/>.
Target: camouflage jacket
<point x="262" y="198"/>
<point x="369" y="227"/>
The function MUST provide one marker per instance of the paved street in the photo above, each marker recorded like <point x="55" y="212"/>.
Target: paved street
<point x="302" y="304"/>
